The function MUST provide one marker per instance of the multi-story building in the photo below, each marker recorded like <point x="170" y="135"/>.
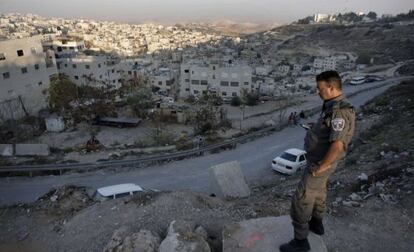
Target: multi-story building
<point x="226" y="80"/>
<point x="91" y="70"/>
<point x="165" y="79"/>
<point x="25" y="71"/>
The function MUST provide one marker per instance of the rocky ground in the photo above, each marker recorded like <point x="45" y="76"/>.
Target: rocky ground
<point x="370" y="201"/>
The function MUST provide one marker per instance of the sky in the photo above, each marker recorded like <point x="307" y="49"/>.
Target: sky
<point x="255" y="11"/>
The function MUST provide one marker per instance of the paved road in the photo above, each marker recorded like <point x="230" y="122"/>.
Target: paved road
<point x="254" y="158"/>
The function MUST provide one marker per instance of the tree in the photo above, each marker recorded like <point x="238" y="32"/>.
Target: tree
<point x="372" y="15"/>
<point x="61" y="92"/>
<point x="141" y="101"/>
<point x="235" y="101"/>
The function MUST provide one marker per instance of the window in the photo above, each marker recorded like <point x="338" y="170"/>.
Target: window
<point x="234" y="84"/>
<point x="6" y="75"/>
<point x="195" y="82"/>
<point x="59" y="48"/>
<point x="99" y="65"/>
<point x="187" y="80"/>
<point x="100" y="76"/>
<point x="24" y="70"/>
<point x="71" y="48"/>
<point x="40" y="83"/>
<point x="33" y="50"/>
<point x="234" y="94"/>
<point x="73" y="65"/>
<point x="203" y="82"/>
<point x="113" y="71"/>
<point x="214" y="67"/>
<point x="113" y="81"/>
<point x="66" y="65"/>
<point x="224" y="94"/>
<point x="36" y="66"/>
<point x="20" y="53"/>
<point x="129" y="72"/>
<point x="160" y="83"/>
<point x="87" y="66"/>
<point x="214" y="77"/>
<point x="246" y="83"/>
<point x="196" y="92"/>
<point x="76" y="77"/>
<point x="186" y="71"/>
<point x="302" y="158"/>
<point x="187" y="89"/>
<point x="224" y="83"/>
<point x="2" y="56"/>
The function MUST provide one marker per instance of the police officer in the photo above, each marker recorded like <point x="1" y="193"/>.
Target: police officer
<point x="325" y="143"/>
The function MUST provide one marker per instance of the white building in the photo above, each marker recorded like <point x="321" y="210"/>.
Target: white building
<point x="328" y="63"/>
<point x="165" y="79"/>
<point x="226" y="80"/>
<point x="25" y="71"/>
<point x="96" y="71"/>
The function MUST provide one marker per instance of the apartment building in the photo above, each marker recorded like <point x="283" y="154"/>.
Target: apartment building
<point x="99" y="71"/>
<point x="25" y="71"/>
<point x="226" y="80"/>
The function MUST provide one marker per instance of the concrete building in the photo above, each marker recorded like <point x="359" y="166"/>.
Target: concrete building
<point x="226" y="80"/>
<point x="165" y="79"/>
<point x="99" y="71"/>
<point x="25" y="71"/>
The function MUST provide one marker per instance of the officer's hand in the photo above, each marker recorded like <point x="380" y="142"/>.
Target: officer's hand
<point x="314" y="169"/>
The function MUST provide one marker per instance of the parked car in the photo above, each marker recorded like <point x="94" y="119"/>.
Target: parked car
<point x="118" y="191"/>
<point x="358" y="80"/>
<point x="290" y="161"/>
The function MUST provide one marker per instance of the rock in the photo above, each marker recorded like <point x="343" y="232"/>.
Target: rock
<point x="143" y="241"/>
<point x="363" y="177"/>
<point x="349" y="203"/>
<point x="269" y="123"/>
<point x="227" y="180"/>
<point x="202" y="232"/>
<point x="182" y="238"/>
<point x="264" y="234"/>
<point x="54" y="198"/>
<point x="355" y="197"/>
<point x="389" y="198"/>
<point x="116" y="239"/>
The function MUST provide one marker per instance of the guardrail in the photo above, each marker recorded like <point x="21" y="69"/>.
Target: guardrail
<point x="135" y="162"/>
<point x="154" y="158"/>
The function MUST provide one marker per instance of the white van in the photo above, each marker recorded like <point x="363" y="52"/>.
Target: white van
<point x="117" y="191"/>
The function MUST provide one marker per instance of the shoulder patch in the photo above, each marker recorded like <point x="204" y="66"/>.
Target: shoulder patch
<point x="338" y="124"/>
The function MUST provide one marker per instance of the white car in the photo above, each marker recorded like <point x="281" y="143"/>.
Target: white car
<point x="118" y="191"/>
<point x="290" y="161"/>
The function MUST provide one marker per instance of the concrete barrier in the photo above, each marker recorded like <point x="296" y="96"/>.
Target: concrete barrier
<point x="263" y="235"/>
<point x="227" y="180"/>
<point x="32" y="150"/>
<point x="6" y="150"/>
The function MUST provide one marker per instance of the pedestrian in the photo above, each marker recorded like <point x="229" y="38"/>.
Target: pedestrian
<point x="325" y="143"/>
<point x="295" y="119"/>
<point x="302" y="114"/>
<point x="290" y="120"/>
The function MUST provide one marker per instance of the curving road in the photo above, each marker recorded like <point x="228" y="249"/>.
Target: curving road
<point x="192" y="174"/>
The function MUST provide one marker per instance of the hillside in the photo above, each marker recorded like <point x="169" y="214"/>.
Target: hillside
<point x="372" y="213"/>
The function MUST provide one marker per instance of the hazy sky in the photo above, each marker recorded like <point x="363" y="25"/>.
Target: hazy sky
<point x="199" y="10"/>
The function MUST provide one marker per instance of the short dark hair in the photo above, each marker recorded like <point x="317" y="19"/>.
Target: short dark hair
<point x="332" y="77"/>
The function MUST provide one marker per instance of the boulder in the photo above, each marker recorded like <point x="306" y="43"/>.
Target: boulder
<point x="264" y="234"/>
<point x="143" y="241"/>
<point x="227" y="180"/>
<point x="182" y="238"/>
<point x="6" y="150"/>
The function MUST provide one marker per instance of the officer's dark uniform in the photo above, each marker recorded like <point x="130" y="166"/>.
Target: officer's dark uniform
<point x="337" y="122"/>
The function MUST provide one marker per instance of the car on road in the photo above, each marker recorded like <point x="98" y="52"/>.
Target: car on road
<point x="118" y="191"/>
<point x="290" y="161"/>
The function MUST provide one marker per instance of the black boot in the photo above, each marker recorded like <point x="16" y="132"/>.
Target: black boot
<point x="316" y="226"/>
<point x="295" y="246"/>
